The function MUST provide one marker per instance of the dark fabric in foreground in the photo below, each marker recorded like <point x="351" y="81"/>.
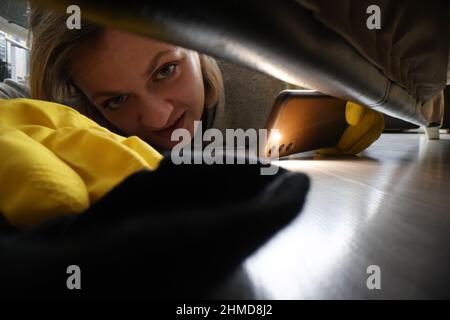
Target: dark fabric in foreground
<point x="173" y="233"/>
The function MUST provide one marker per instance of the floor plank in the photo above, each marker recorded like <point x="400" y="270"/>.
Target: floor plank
<point x="389" y="207"/>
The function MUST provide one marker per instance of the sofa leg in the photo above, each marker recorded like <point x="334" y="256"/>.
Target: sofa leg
<point x="432" y="133"/>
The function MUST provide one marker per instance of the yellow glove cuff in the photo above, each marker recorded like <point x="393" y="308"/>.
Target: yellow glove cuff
<point x="365" y="127"/>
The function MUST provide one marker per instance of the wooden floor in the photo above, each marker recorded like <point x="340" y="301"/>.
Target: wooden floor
<point x="390" y="207"/>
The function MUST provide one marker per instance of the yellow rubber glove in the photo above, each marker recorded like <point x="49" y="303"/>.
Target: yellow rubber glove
<point x="365" y="127"/>
<point x="55" y="161"/>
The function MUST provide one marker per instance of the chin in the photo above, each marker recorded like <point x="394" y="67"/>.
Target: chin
<point x="164" y="144"/>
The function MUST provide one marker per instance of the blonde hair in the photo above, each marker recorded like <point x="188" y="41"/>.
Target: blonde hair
<point x="53" y="47"/>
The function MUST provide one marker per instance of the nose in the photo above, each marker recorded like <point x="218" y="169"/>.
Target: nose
<point x="154" y="112"/>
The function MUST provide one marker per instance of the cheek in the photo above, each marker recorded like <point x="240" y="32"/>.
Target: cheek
<point x="125" y="121"/>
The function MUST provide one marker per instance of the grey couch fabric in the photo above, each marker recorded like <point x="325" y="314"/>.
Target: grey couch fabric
<point x="249" y="98"/>
<point x="10" y="89"/>
<point x="411" y="46"/>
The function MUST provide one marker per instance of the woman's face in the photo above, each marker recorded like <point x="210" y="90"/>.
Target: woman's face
<point x="143" y="87"/>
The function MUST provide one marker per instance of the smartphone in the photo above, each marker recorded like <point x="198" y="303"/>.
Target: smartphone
<point x="305" y="120"/>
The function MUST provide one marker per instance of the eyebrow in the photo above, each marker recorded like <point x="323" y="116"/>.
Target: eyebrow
<point x="150" y="69"/>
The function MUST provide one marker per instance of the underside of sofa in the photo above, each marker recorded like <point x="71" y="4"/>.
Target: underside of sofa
<point x="321" y="45"/>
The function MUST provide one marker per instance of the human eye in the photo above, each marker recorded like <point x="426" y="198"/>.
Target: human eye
<point x="114" y="103"/>
<point x="166" y="71"/>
